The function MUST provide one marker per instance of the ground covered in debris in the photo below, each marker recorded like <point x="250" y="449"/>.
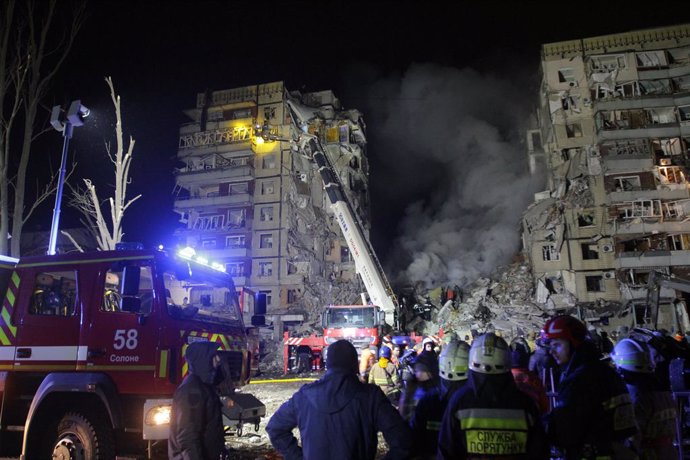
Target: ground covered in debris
<point x="255" y="445"/>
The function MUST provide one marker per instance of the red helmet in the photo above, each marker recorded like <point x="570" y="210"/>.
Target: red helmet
<point x="565" y="327"/>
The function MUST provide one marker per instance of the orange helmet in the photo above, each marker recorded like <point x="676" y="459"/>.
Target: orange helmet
<point x="565" y="327"/>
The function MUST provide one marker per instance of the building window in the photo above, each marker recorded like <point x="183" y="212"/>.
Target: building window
<point x="549" y="253"/>
<point x="268" y="162"/>
<point x="236" y="218"/>
<point x="651" y="59"/>
<point x="292" y="295"/>
<point x="269" y="112"/>
<point x="567" y="75"/>
<point x="208" y="243"/>
<point x="628" y="183"/>
<point x="235" y="269"/>
<point x="269" y="296"/>
<point x="235" y="241"/>
<point x="589" y="251"/>
<point x="345" y="254"/>
<point x="265" y="268"/>
<point x="266" y="241"/>
<point x="291" y="268"/>
<point x="573" y="130"/>
<point x="266" y="214"/>
<point x="643" y="208"/>
<point x="671" y="175"/>
<point x="208" y="222"/>
<point x="594" y="283"/>
<point x="236" y="189"/>
<point x="268" y="187"/>
<point x="585" y="219"/>
<point x="607" y="63"/>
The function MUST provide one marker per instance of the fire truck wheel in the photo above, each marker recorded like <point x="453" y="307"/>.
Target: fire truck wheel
<point x="82" y="438"/>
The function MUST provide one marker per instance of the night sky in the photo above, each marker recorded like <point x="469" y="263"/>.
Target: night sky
<point x="456" y="69"/>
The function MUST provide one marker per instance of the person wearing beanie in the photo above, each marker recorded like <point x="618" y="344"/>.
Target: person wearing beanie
<point x="490" y="417"/>
<point x="593" y="414"/>
<point x="384" y="375"/>
<point x="527" y="381"/>
<point x="338" y="416"/>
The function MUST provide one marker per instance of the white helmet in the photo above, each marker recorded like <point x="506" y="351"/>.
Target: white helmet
<point x="633" y="356"/>
<point x="454" y="360"/>
<point x="490" y="354"/>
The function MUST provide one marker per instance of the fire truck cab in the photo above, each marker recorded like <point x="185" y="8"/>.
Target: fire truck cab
<point x="92" y="348"/>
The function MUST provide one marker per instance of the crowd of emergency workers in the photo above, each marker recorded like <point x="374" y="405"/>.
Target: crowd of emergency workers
<point x="568" y="391"/>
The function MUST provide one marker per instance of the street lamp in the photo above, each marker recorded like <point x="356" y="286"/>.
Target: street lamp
<point x="64" y="123"/>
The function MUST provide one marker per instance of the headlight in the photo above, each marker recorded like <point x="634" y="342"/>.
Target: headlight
<point x="158" y="415"/>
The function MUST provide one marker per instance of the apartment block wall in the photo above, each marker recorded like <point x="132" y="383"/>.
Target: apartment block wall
<point x="614" y="122"/>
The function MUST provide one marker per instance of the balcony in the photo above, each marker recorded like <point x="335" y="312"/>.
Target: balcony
<point x="212" y="201"/>
<point x="187" y="178"/>
<point x="216" y="137"/>
<point x="661" y="193"/>
<point x="636" y="259"/>
<point x="635" y="227"/>
<point x="621" y="164"/>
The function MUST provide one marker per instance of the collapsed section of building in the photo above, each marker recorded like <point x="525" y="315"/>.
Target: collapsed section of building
<point x="613" y="138"/>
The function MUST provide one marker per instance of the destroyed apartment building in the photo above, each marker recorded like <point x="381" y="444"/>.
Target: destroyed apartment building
<point x="250" y="201"/>
<point x="613" y="139"/>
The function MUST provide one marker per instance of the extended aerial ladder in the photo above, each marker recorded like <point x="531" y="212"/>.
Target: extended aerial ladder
<point x="366" y="263"/>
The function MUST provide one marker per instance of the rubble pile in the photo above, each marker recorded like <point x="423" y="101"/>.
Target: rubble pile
<point x="503" y="303"/>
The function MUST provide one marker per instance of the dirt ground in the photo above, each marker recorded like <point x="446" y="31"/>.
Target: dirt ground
<point x="255" y="445"/>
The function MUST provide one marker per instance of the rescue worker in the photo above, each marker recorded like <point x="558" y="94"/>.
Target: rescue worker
<point x="655" y="409"/>
<point x="367" y="358"/>
<point x="490" y="417"/>
<point x="338" y="416"/>
<point x="304" y="359"/>
<point x="428" y="345"/>
<point x="196" y="422"/>
<point x="593" y="413"/>
<point x="422" y="380"/>
<point x="527" y="381"/>
<point x="386" y="342"/>
<point x="384" y="375"/>
<point x="427" y="416"/>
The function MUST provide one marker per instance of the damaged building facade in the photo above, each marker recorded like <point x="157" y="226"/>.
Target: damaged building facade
<point x="248" y="200"/>
<point x="613" y="138"/>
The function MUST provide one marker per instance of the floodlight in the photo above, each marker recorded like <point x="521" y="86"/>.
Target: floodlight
<point x="77" y="113"/>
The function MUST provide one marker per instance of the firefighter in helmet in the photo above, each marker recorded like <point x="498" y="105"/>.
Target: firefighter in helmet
<point x="490" y="417"/>
<point x="655" y="410"/>
<point x="384" y="374"/>
<point x="593" y="414"/>
<point x="427" y="416"/>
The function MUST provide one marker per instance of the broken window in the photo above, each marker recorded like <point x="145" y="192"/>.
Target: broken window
<point x="236" y="218"/>
<point x="676" y="209"/>
<point x="265" y="268"/>
<point x="239" y="188"/>
<point x="681" y="84"/>
<point x="671" y="175"/>
<point x="651" y="59"/>
<point x="268" y="162"/>
<point x="291" y="268"/>
<point x="652" y="87"/>
<point x="269" y="113"/>
<point x="607" y="62"/>
<point x="235" y="241"/>
<point x="268" y="187"/>
<point x="679" y="242"/>
<point x="626" y="147"/>
<point x="269" y="296"/>
<point x="208" y="243"/>
<point x="667" y="147"/>
<point x="684" y="113"/>
<point x="292" y="295"/>
<point x="628" y="183"/>
<point x="235" y="269"/>
<point x="642" y="208"/>
<point x="589" y="251"/>
<point x="208" y="222"/>
<point x="549" y="253"/>
<point x="266" y="213"/>
<point x="266" y="241"/>
<point x="585" y="219"/>
<point x="573" y="130"/>
<point x="594" y="283"/>
<point x="345" y="255"/>
<point x="567" y="75"/>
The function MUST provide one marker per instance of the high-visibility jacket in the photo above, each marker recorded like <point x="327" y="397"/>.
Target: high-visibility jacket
<point x="491" y="418"/>
<point x="385" y="376"/>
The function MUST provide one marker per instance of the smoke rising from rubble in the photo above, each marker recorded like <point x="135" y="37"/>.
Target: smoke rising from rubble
<point x="451" y="143"/>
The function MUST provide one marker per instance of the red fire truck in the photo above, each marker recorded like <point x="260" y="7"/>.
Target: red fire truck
<point x="92" y="346"/>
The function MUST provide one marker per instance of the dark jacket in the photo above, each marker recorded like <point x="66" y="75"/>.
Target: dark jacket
<point x="491" y="418"/>
<point x="196" y="422"/>
<point x="593" y="413"/>
<point x="338" y="418"/>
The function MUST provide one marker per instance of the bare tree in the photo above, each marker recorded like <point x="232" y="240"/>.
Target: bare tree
<point x="108" y="232"/>
<point x="30" y="57"/>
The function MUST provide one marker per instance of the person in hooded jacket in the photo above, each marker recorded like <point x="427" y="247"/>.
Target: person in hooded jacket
<point x="490" y="417"/>
<point x="196" y="422"/>
<point x="338" y="416"/>
<point x="593" y="415"/>
<point x="428" y="413"/>
<point x="423" y="379"/>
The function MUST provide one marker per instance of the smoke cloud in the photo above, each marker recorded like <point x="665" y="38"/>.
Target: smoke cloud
<point x="450" y="144"/>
